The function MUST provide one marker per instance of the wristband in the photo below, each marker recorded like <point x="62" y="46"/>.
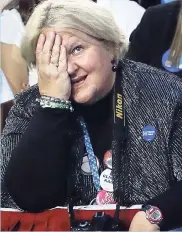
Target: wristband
<point x="51" y="102"/>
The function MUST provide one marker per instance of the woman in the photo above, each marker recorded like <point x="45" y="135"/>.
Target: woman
<point x="15" y="71"/>
<point x="47" y="145"/>
<point x="157" y="41"/>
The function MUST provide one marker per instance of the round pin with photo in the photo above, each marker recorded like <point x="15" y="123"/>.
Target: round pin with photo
<point x="85" y="168"/>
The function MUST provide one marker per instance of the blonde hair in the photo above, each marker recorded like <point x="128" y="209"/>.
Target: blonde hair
<point x="176" y="46"/>
<point x="83" y="15"/>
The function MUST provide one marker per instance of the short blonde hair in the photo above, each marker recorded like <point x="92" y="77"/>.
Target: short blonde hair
<point x="83" y="15"/>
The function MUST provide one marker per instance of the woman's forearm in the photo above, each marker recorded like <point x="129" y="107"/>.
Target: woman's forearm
<point x="14" y="67"/>
<point x="36" y="173"/>
<point x="170" y="204"/>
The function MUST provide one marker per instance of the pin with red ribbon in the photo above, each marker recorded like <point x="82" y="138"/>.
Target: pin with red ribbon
<point x="108" y="159"/>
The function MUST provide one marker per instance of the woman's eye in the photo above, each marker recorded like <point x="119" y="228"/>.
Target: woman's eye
<point x="77" y="49"/>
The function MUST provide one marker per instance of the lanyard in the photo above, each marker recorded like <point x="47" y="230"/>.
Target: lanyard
<point x="91" y="156"/>
<point x="119" y="136"/>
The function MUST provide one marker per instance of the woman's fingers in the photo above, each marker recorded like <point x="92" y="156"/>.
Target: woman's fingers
<point x="56" y="51"/>
<point x="50" y="51"/>
<point x="39" y="48"/>
<point x="62" y="59"/>
<point x="54" y="80"/>
<point x="47" y="49"/>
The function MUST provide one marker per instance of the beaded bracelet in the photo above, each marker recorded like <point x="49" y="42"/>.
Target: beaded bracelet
<point x="51" y="102"/>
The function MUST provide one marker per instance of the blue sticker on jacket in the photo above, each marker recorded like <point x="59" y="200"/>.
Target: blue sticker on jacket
<point x="167" y="64"/>
<point x="149" y="133"/>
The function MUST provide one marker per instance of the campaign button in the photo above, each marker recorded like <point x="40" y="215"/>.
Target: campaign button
<point x="108" y="159"/>
<point x="149" y="133"/>
<point x="104" y="197"/>
<point x="106" y="180"/>
<point x="86" y="167"/>
<point x="168" y="64"/>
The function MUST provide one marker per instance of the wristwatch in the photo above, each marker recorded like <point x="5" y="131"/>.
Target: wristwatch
<point x="153" y="214"/>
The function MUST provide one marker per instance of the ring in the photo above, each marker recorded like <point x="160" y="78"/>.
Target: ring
<point x="55" y="64"/>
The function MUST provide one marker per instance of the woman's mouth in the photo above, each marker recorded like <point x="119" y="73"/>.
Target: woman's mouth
<point x="78" y="81"/>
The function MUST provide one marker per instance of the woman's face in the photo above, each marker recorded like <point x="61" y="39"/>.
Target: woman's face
<point x="89" y="66"/>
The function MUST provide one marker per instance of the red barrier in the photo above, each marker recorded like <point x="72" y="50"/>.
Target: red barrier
<point x="55" y="219"/>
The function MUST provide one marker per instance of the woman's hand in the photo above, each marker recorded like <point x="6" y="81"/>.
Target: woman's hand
<point x="25" y="87"/>
<point x="140" y="223"/>
<point x="51" y="63"/>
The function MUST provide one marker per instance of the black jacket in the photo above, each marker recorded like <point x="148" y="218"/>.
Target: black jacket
<point x="42" y="149"/>
<point x="148" y="3"/>
<point x="154" y="35"/>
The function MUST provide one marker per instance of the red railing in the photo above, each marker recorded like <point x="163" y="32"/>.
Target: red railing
<point x="55" y="219"/>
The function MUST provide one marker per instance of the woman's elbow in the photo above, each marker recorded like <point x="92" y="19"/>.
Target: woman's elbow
<point x="31" y="200"/>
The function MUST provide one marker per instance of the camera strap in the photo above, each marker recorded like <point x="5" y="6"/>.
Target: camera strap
<point x="118" y="146"/>
<point x="120" y="134"/>
<point x="119" y="137"/>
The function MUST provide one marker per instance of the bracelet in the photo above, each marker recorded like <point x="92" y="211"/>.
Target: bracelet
<point x="51" y="102"/>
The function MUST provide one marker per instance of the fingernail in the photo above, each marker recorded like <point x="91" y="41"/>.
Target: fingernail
<point x="41" y="36"/>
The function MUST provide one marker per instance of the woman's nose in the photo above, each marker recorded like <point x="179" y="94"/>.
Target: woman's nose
<point x="72" y="68"/>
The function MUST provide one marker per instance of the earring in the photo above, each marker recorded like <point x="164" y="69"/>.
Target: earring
<point x="114" y="67"/>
